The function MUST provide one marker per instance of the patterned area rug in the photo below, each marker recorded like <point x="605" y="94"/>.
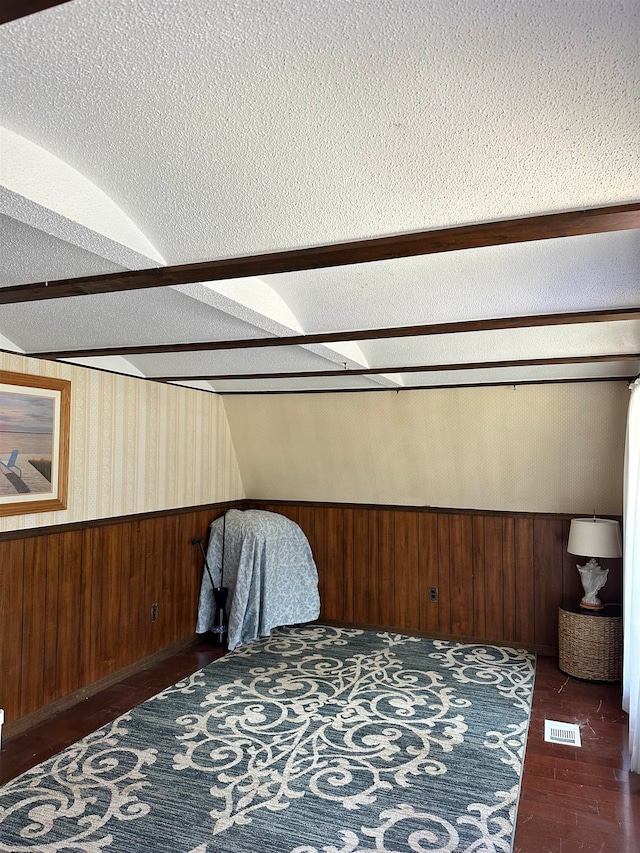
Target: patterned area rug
<point x="314" y="740"/>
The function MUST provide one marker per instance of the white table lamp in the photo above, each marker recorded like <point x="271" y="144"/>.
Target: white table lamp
<point x="594" y="537"/>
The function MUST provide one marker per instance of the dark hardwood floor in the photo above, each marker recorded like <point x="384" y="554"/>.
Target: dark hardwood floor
<point x="573" y="800"/>
<point x="578" y="800"/>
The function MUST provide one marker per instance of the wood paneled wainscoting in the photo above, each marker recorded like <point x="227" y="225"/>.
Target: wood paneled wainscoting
<point x="500" y="576"/>
<point x="75" y="601"/>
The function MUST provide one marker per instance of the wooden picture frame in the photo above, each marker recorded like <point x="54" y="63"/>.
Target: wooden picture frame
<point x="34" y="443"/>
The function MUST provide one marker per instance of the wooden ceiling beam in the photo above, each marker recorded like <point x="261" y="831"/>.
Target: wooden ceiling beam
<point x="395" y="369"/>
<point x="492" y="324"/>
<point x="512" y="384"/>
<point x="502" y="232"/>
<point x="11" y="10"/>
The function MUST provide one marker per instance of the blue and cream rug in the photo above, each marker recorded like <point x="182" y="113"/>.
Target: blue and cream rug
<point x="315" y="740"/>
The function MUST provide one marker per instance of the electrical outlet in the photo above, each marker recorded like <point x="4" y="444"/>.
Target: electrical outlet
<point x="154" y="612"/>
<point x="433" y="593"/>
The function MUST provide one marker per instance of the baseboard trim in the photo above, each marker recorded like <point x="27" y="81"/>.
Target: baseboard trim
<point x="23" y="724"/>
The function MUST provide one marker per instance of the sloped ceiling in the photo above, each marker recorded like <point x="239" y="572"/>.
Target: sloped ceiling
<point x="139" y="136"/>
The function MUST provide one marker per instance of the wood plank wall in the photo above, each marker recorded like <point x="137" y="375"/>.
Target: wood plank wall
<point x="75" y="603"/>
<point x="500" y="576"/>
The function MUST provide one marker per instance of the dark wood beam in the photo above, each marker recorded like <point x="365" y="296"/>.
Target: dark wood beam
<point x="370" y="389"/>
<point x="606" y="316"/>
<point x="502" y="232"/>
<point x="10" y="10"/>
<point x="412" y="368"/>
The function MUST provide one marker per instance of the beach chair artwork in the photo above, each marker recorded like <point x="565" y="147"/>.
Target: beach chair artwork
<point x="34" y="443"/>
<point x="10" y="464"/>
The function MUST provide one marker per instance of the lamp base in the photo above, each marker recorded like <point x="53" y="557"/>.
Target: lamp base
<point x="593" y="578"/>
<point x="587" y="606"/>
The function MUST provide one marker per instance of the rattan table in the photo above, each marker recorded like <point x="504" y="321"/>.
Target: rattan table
<point x="590" y="642"/>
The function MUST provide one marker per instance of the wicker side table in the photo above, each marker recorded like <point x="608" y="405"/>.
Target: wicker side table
<point x="590" y="642"/>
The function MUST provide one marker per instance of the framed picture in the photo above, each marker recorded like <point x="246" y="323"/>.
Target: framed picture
<point x="34" y="443"/>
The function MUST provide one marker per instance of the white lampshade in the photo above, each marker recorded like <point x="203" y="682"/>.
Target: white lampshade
<point x="594" y="537"/>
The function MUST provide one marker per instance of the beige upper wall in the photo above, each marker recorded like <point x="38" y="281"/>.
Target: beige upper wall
<point x="135" y="446"/>
<point x="538" y="448"/>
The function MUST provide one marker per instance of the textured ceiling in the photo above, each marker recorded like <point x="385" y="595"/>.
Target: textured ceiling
<point x="48" y="257"/>
<point x="216" y="129"/>
<point x="571" y="274"/>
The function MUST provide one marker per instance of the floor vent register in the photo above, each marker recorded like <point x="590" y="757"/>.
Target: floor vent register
<point x="566" y="733"/>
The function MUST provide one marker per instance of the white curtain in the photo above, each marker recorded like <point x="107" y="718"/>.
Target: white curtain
<point x="631" y="563"/>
